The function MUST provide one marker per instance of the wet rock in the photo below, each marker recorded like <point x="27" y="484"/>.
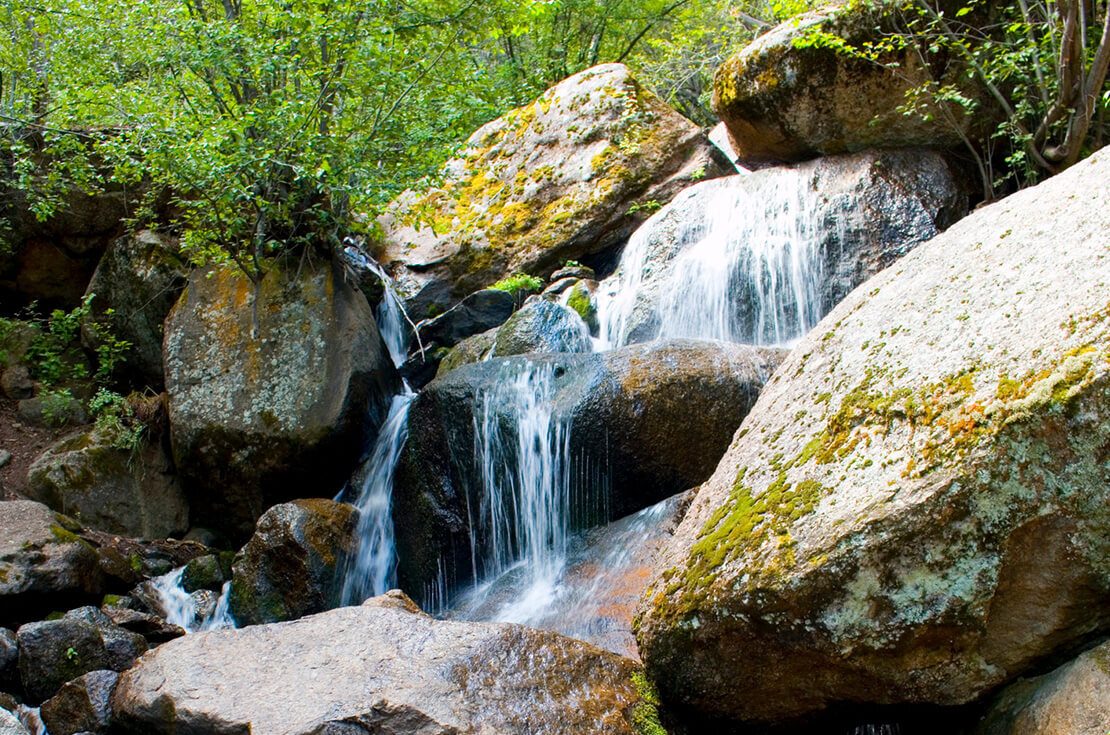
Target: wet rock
<point x="471" y="349"/>
<point x="53" y="652"/>
<point x="81" y="705"/>
<point x="127" y="561"/>
<point x="43" y="563"/>
<point x="151" y="627"/>
<point x="478" y="312"/>
<point x="133" y="289"/>
<point x="645" y="421"/>
<point x="578" y="271"/>
<point x="783" y="100"/>
<point x="856" y="214"/>
<point x="9" y="660"/>
<point x="542" y="326"/>
<point x="127" y="491"/>
<point x="204" y="572"/>
<point x="553" y="180"/>
<point x="1072" y="700"/>
<point x="290" y="567"/>
<point x="16" y="382"/>
<point x="916" y="510"/>
<point x="381" y="667"/>
<point x="257" y="420"/>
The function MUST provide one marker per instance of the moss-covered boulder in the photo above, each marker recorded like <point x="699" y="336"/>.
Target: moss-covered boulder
<point x="118" y="489"/>
<point x="291" y="565"/>
<point x="259" y="418"/>
<point x="917" y="509"/>
<point x="552" y="180"/>
<point x="471" y="349"/>
<point x="384" y="667"/>
<point x="137" y="282"/>
<point x="542" y="326"/>
<point x="1074" y="699"/>
<point x="44" y="565"/>
<point x="642" y="423"/>
<point x="789" y="97"/>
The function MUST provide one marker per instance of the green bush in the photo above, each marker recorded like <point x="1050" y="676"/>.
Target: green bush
<point x="519" y="283"/>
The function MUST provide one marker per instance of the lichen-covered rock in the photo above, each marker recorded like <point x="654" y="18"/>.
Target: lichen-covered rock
<point x="43" y="563"/>
<point x="785" y="98"/>
<point x="645" y="421"/>
<point x="290" y="567"/>
<point x="123" y="491"/>
<point x="137" y="282"/>
<point x="845" y="219"/>
<point x="1072" y="700"/>
<point x="82" y="705"/>
<point x="916" y="511"/>
<point x="259" y="419"/>
<point x="53" y="652"/>
<point x="542" y="326"/>
<point x="549" y="181"/>
<point x="383" y="667"/>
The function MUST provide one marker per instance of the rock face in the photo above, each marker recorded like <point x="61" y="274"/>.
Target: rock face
<point x="9" y="661"/>
<point x="260" y="420"/>
<point x="1072" y="700"/>
<point x="549" y="181"/>
<point x="542" y="326"/>
<point x="53" y="652"/>
<point x="916" y="510"/>
<point x="290" y="566"/>
<point x="838" y="220"/>
<point x="110" y="489"/>
<point x="10" y="724"/>
<point x="81" y="705"/>
<point x="478" y="312"/>
<point x="785" y="99"/>
<point x="653" y="419"/>
<point x="139" y="279"/>
<point x="43" y="563"/>
<point x="382" y="667"/>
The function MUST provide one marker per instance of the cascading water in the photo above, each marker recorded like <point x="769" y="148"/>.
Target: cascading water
<point x="738" y="263"/>
<point x="523" y="516"/>
<point x="372" y="571"/>
<point x="183" y="610"/>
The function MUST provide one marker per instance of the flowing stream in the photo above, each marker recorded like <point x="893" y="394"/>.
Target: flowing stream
<point x="729" y="262"/>
<point x="185" y="610"/>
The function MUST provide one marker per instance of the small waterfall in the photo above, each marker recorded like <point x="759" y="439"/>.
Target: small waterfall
<point x="183" y="609"/>
<point x="522" y="519"/>
<point x="372" y="571"/>
<point x="738" y="260"/>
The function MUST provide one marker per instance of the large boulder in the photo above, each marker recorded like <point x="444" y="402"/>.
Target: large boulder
<point x="542" y="326"/>
<point x="1072" y="700"/>
<point x="642" y="423"/>
<point x="788" y="96"/>
<point x="917" y="509"/>
<point x="382" y="667"/>
<point x="137" y="282"/>
<point x="43" y="563"/>
<point x="761" y="257"/>
<point x="553" y="180"/>
<point x="261" y="418"/>
<point x="52" y="652"/>
<point x="290" y="567"/>
<point x="119" y="490"/>
<point x="82" y="705"/>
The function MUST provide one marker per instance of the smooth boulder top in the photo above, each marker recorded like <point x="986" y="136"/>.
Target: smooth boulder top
<point x="916" y="510"/>
<point x="551" y="181"/>
<point x="381" y="667"/>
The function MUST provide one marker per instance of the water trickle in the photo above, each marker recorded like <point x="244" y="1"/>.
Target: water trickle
<point x="738" y="263"/>
<point x="372" y="571"/>
<point x="183" y="610"/>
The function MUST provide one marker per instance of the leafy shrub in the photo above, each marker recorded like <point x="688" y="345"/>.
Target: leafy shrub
<point x="116" y="421"/>
<point x="519" y="283"/>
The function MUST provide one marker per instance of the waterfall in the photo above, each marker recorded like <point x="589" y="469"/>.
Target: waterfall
<point x="183" y="609"/>
<point x="523" y="515"/>
<point x="372" y="571"/>
<point x="738" y="260"/>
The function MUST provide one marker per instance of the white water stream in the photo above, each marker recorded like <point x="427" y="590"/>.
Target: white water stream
<point x="183" y="609"/>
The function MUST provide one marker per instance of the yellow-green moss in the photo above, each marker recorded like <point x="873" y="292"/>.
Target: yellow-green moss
<point x="645" y="713"/>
